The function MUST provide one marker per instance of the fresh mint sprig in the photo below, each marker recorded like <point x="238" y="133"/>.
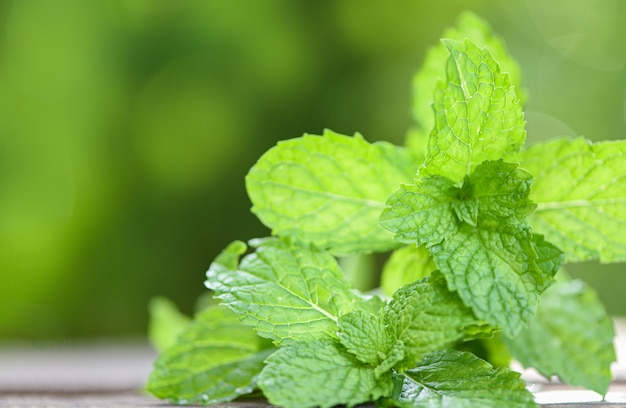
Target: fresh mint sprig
<point x="467" y="205"/>
<point x="479" y="229"/>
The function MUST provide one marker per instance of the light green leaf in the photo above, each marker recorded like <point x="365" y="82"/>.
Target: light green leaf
<point x="478" y="238"/>
<point x="328" y="190"/>
<point x="426" y="316"/>
<point x="501" y="191"/>
<point x="406" y="265"/>
<point x="433" y="209"/>
<point x="285" y="291"/>
<point x="580" y="191"/>
<point x="549" y="259"/>
<point x="571" y="336"/>
<point x="364" y="335"/>
<point x="478" y="116"/>
<point x="454" y="379"/>
<point x="373" y="303"/>
<point x="393" y="356"/>
<point x="432" y="71"/>
<point x="166" y="323"/>
<point x="495" y="273"/>
<point x="320" y="373"/>
<point x="215" y="359"/>
<point x="422" y="213"/>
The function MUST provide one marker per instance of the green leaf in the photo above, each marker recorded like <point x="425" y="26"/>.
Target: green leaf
<point x="215" y="359"/>
<point x="501" y="192"/>
<point x="478" y="238"/>
<point x="394" y="356"/>
<point x="494" y="272"/>
<point x="571" y="336"/>
<point x="320" y="373"/>
<point x="285" y="291"/>
<point x="549" y="259"/>
<point x="166" y="323"/>
<point x="433" y="209"/>
<point x="432" y="71"/>
<point x="406" y="265"/>
<point x="364" y="335"/>
<point x="421" y="213"/>
<point x="478" y="116"/>
<point x="328" y="190"/>
<point x="373" y="303"/>
<point x="454" y="379"/>
<point x="426" y="316"/>
<point x="580" y="191"/>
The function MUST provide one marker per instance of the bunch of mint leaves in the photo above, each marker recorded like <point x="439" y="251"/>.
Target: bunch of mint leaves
<point x="479" y="227"/>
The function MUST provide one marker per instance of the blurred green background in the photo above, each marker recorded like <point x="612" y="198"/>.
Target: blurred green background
<point x="127" y="126"/>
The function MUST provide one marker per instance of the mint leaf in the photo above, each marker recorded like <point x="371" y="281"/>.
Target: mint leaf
<point x="215" y="359"/>
<point x="549" y="259"/>
<point x="449" y="378"/>
<point x="426" y="316"/>
<point x="406" y="265"/>
<point x="320" y="373"/>
<point x="328" y="190"/>
<point x="166" y="323"/>
<point x="580" y="193"/>
<point x="432" y="71"/>
<point x="478" y="238"/>
<point x="365" y="335"/>
<point x="571" y="336"/>
<point x="501" y="192"/>
<point x="421" y="317"/>
<point x="373" y="303"/>
<point x="286" y="291"/>
<point x="421" y="213"/>
<point x="494" y="272"/>
<point x="433" y="209"/>
<point x="478" y="116"/>
<point x="393" y="356"/>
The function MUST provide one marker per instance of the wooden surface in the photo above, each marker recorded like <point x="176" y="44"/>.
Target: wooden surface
<point x="119" y="399"/>
<point x="112" y="374"/>
<point x="617" y="398"/>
